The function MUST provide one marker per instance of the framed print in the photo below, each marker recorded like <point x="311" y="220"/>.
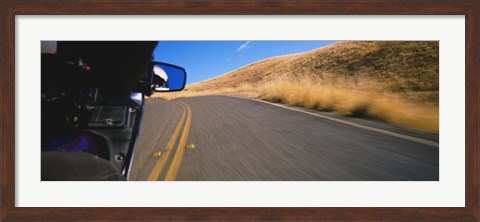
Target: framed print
<point x="257" y="110"/>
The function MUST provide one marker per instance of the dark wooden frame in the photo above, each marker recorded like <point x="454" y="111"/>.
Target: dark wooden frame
<point x="10" y="8"/>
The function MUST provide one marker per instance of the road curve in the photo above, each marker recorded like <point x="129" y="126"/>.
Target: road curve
<point x="235" y="139"/>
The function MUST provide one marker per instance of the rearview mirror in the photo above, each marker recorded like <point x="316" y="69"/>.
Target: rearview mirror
<point x="167" y="78"/>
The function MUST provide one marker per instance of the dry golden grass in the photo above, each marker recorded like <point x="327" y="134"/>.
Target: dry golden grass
<point x="395" y="82"/>
<point x="356" y="102"/>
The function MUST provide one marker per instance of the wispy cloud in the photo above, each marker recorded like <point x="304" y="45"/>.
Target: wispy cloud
<point x="243" y="46"/>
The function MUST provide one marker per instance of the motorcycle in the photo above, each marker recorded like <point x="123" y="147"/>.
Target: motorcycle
<point x="91" y="117"/>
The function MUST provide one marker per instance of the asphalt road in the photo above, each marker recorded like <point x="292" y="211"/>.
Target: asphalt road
<point x="220" y="138"/>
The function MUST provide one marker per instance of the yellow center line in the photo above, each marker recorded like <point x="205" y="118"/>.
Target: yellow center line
<point x="177" y="159"/>
<point x="157" y="170"/>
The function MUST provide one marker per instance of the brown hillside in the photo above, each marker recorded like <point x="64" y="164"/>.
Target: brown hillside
<point x="407" y="68"/>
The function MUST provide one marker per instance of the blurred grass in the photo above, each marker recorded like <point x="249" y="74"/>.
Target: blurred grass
<point x="355" y="102"/>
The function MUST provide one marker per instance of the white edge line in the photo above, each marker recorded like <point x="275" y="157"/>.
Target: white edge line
<point x="386" y="132"/>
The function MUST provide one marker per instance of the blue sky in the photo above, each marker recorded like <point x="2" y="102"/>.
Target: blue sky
<point x="207" y="59"/>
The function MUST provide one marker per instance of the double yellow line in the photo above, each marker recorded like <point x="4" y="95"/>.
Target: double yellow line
<point x="177" y="158"/>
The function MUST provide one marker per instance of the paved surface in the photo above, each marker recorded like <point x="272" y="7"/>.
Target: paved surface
<point x="220" y="138"/>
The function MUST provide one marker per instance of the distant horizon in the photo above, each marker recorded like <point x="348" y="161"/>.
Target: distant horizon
<point x="205" y="60"/>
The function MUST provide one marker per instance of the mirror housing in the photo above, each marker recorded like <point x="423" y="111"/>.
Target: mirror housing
<point x="166" y="77"/>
